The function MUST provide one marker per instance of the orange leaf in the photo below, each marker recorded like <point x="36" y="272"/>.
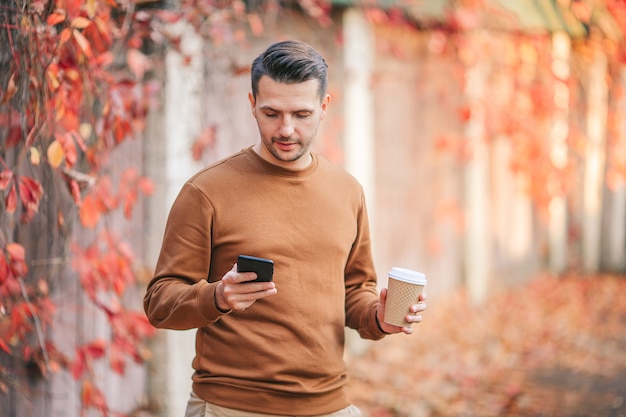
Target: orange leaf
<point x="82" y="42"/>
<point x="55" y="154"/>
<point x="92" y="7"/>
<point x="89" y="212"/>
<point x="56" y="18"/>
<point x="92" y="397"/>
<point x="11" y="89"/>
<point x="80" y="22"/>
<point x="65" y="36"/>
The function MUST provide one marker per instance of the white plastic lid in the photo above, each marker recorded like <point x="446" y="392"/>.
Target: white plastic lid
<point x="407" y="275"/>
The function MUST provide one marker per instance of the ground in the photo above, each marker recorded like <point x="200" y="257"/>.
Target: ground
<point x="553" y="347"/>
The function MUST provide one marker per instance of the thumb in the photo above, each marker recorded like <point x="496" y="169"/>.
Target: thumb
<point x="383" y="297"/>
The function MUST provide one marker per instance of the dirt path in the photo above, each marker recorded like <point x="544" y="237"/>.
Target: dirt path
<point x="557" y="351"/>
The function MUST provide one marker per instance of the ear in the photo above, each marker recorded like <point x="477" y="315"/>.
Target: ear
<point x="252" y="103"/>
<point x="325" y="103"/>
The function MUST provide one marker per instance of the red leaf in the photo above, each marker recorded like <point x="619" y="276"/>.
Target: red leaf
<point x="5" y="272"/>
<point x="95" y="349"/>
<point x="5" y="178"/>
<point x="30" y="191"/>
<point x="5" y="347"/>
<point x="204" y="141"/>
<point x="117" y="359"/>
<point x="11" y="200"/>
<point x="69" y="149"/>
<point x="17" y="259"/>
<point x="14" y="135"/>
<point x="75" y="190"/>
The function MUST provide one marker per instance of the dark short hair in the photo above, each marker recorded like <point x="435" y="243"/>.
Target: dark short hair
<point x="290" y="62"/>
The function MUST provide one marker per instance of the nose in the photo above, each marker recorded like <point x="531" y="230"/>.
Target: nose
<point x="286" y="127"/>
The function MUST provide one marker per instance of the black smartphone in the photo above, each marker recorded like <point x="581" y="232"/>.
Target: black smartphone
<point x="264" y="268"/>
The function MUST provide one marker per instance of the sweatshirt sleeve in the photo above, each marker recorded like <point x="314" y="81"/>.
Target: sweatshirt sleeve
<point x="179" y="296"/>
<point x="360" y="281"/>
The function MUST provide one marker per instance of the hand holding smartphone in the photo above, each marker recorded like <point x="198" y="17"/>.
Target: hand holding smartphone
<point x="264" y="268"/>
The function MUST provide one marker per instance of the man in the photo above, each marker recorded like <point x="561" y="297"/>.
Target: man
<point x="272" y="348"/>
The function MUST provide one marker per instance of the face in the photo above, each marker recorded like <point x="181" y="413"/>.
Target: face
<point x="288" y="116"/>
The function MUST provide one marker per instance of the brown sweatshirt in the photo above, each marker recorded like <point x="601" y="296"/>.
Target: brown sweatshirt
<point x="284" y="354"/>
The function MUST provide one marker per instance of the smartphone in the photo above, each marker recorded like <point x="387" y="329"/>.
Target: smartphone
<point x="264" y="268"/>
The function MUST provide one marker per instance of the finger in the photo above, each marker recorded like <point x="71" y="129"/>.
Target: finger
<point x="414" y="318"/>
<point x="416" y="308"/>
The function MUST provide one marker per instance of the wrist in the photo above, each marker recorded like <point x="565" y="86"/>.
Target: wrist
<point x="219" y="300"/>
<point x="379" y="326"/>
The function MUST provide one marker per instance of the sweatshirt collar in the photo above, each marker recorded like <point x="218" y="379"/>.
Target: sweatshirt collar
<point x="272" y="169"/>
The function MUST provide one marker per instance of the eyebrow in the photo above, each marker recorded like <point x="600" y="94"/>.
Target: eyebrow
<point x="270" y="108"/>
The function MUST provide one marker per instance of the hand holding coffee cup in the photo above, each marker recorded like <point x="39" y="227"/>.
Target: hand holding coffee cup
<point x="404" y="289"/>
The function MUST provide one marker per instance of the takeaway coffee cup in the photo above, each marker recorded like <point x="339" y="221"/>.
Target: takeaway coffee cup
<point x="404" y="288"/>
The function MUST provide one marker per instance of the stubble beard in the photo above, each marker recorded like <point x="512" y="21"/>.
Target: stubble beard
<point x="302" y="150"/>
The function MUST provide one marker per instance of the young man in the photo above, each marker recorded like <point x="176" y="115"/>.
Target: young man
<point x="272" y="347"/>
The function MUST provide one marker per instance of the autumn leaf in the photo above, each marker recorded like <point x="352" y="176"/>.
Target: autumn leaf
<point x="11" y="89"/>
<point x="203" y="142"/>
<point x="35" y="156"/>
<point x="95" y="349"/>
<point x="78" y="365"/>
<point x="91" y="6"/>
<point x="89" y="212"/>
<point x="30" y="191"/>
<point x="80" y="22"/>
<point x="5" y="347"/>
<point x="17" y="259"/>
<point x="14" y="136"/>
<point x="82" y="42"/>
<point x="55" y="154"/>
<point x="92" y="397"/>
<point x="117" y="359"/>
<point x="138" y="63"/>
<point x="4" y="268"/>
<point x="69" y="147"/>
<point x="11" y="200"/>
<point x="56" y="17"/>
<point x="146" y="186"/>
<point x="5" y="178"/>
<point x="65" y="36"/>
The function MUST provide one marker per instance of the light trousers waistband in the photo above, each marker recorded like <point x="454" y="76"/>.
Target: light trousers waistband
<point x="197" y="407"/>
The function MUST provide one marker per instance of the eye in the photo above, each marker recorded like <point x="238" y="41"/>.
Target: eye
<point x="271" y="115"/>
<point x="303" y="115"/>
